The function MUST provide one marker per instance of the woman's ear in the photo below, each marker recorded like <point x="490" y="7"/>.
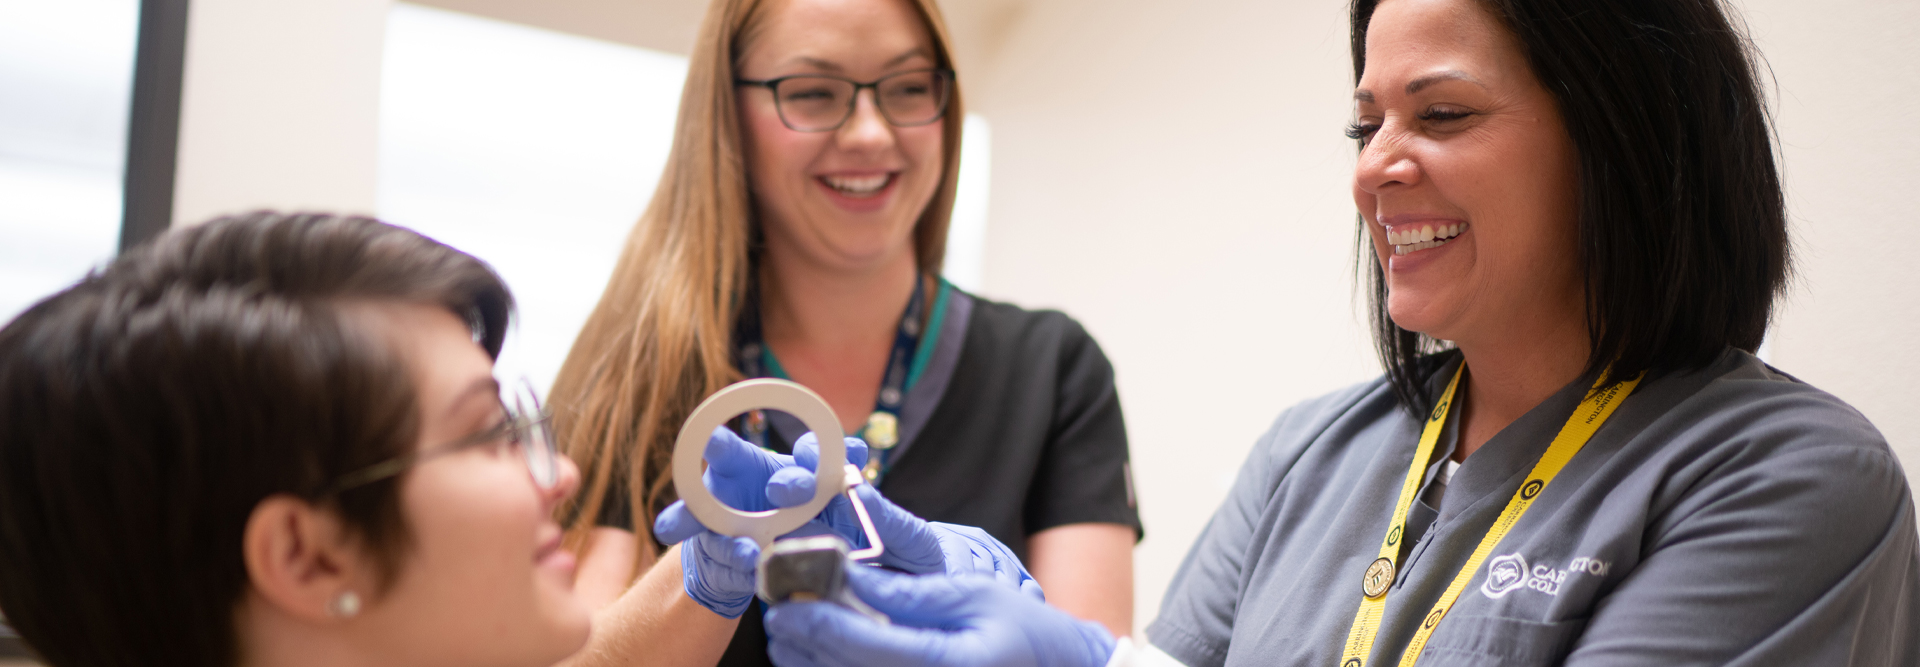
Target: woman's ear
<point x="301" y="560"/>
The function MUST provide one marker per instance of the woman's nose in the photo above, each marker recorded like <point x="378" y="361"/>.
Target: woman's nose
<point x="1386" y="163"/>
<point x="867" y="127"/>
<point x="566" y="481"/>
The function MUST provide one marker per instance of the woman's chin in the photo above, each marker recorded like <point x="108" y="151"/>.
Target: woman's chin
<point x="578" y="629"/>
<point x="1415" y="313"/>
<point x="569" y="621"/>
<point x="858" y="247"/>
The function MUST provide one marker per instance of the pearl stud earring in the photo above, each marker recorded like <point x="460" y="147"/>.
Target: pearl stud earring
<point x="345" y="605"/>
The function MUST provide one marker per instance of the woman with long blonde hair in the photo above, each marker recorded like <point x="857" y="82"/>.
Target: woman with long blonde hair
<point x="798" y="232"/>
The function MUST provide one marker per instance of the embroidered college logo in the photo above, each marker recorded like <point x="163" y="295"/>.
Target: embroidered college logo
<point x="1504" y="573"/>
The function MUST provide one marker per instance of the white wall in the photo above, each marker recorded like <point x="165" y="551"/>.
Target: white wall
<point x="1848" y="109"/>
<point x="279" y="107"/>
<point x="1174" y="176"/>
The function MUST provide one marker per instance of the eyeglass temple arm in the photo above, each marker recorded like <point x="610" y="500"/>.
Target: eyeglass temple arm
<point x="399" y="464"/>
<point x="370" y="474"/>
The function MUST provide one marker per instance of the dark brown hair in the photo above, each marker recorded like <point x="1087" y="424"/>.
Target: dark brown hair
<point x="1683" y="225"/>
<point x="147" y="410"/>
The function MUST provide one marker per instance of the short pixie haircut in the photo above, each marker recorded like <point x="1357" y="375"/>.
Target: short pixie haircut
<point x="1682" y="223"/>
<point x="147" y="410"/>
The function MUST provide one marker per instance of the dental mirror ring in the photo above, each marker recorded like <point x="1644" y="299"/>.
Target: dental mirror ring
<point x="738" y="398"/>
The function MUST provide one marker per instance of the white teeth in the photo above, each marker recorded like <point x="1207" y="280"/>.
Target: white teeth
<point x="1425" y="238"/>
<point x="857" y="185"/>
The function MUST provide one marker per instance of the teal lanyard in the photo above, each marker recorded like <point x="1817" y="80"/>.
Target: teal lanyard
<point x="882" y="430"/>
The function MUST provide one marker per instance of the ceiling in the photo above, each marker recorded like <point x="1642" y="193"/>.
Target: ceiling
<point x="977" y="26"/>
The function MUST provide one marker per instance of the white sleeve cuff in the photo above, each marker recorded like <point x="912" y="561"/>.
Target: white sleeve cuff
<point x="1127" y="654"/>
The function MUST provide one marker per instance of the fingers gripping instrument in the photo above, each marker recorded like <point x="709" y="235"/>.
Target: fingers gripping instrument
<point x="809" y="569"/>
<point x="800" y="565"/>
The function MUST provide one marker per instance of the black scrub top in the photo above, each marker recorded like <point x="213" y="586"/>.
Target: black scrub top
<point x="1011" y="423"/>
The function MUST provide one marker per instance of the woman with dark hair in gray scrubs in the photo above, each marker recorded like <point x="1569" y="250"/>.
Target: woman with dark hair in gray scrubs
<point x="1577" y="234"/>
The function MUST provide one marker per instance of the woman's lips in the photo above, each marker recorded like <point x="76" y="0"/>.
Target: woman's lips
<point x="1408" y="238"/>
<point x="559" y="559"/>
<point x="858" y="186"/>
<point x="859" y="193"/>
<point x="1416" y="239"/>
<point x="551" y="547"/>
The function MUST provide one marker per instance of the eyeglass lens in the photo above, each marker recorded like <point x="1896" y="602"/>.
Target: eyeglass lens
<point x="817" y="103"/>
<point x="536" y="437"/>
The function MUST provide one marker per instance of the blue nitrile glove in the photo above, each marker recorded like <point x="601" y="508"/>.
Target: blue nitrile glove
<point x="938" y="621"/>
<point x="718" y="571"/>
<point x="912" y="544"/>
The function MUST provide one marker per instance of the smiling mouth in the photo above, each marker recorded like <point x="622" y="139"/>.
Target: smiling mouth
<point x="549" y="547"/>
<point x="1424" y="238"/>
<point x="858" y="186"/>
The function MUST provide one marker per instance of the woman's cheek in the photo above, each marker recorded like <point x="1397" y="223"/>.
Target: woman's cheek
<point x="779" y="156"/>
<point x="926" y="151"/>
<point x="928" y="147"/>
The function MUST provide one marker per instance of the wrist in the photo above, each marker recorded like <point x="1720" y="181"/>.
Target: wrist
<point x="727" y="607"/>
<point x="1101" y="645"/>
<point x="1128" y="654"/>
<point x="1122" y="653"/>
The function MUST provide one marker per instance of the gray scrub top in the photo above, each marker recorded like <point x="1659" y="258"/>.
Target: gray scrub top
<point x="1728" y="516"/>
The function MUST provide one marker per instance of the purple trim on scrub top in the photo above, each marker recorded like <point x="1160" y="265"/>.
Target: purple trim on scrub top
<point x="931" y="386"/>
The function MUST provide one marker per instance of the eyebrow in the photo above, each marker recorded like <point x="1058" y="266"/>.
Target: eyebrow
<point x="904" y="57"/>
<point x="831" y="66"/>
<point x="486" y="386"/>
<point x="1415" y="85"/>
<point x="1364" y="95"/>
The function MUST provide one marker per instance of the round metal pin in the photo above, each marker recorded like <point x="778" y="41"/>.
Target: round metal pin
<point x="883" y="430"/>
<point x="1379" y="576"/>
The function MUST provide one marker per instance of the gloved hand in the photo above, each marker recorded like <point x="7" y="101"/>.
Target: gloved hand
<point x="939" y="621"/>
<point x="912" y="544"/>
<point x="717" y="570"/>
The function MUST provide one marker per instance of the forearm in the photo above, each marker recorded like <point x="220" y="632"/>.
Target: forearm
<point x="654" y="623"/>
<point x="1086" y="570"/>
<point x="608" y="565"/>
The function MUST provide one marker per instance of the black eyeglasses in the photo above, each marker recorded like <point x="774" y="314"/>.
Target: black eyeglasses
<point x="822" y="103"/>
<point x="526" y="426"/>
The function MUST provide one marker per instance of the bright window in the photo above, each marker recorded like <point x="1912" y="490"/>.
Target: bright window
<point x="533" y="150"/>
<point x="66" y="84"/>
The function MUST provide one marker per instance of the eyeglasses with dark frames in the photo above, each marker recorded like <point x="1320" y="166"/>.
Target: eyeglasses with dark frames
<point x="823" y="102"/>
<point x="526" y="426"/>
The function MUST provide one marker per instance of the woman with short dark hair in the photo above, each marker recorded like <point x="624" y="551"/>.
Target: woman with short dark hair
<point x="277" y="440"/>
<point x="1575" y="231"/>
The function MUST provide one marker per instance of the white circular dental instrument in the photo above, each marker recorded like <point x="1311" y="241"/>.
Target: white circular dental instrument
<point x="689" y="450"/>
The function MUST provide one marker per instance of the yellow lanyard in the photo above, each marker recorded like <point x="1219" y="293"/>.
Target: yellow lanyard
<point x="1580" y="427"/>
